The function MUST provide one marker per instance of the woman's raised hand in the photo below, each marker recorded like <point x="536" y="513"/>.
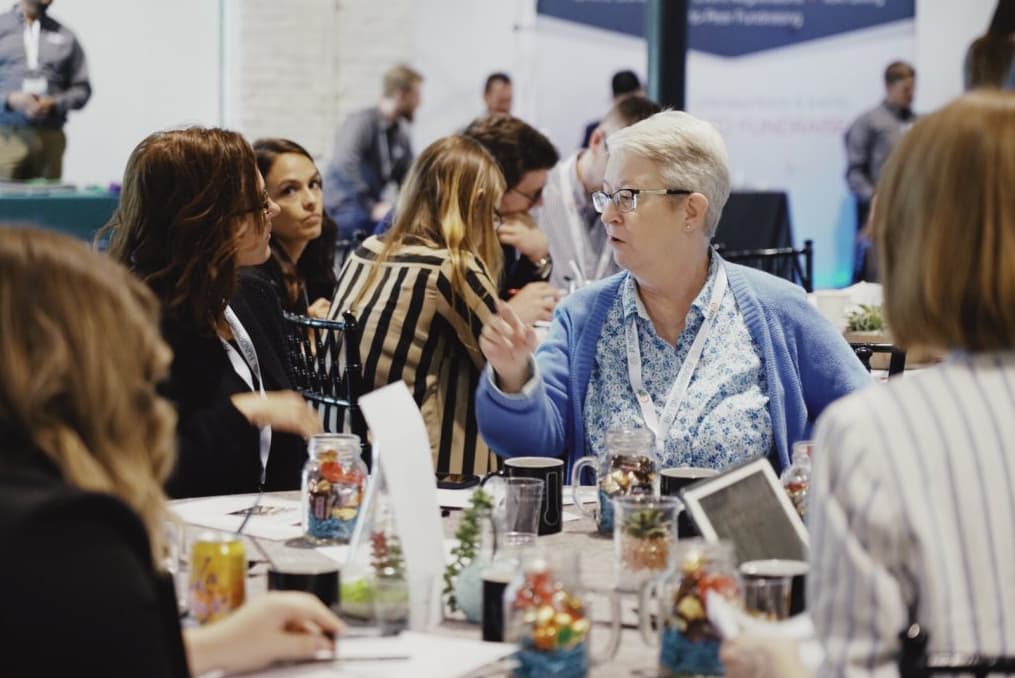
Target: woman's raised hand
<point x="507" y="343"/>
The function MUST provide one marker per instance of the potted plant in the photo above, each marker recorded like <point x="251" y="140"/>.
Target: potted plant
<point x="646" y="540"/>
<point x="865" y="324"/>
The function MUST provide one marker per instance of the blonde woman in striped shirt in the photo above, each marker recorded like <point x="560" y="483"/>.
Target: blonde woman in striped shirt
<point x="913" y="513"/>
<point x="423" y="290"/>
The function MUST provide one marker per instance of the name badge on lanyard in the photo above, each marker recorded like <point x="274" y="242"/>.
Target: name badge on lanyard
<point x="34" y="82"/>
<point x="248" y="368"/>
<point x="661" y="427"/>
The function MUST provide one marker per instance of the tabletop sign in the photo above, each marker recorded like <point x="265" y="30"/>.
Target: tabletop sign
<point x="401" y="449"/>
<point x="748" y="506"/>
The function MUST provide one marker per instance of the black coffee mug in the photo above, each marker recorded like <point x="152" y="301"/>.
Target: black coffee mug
<point x="796" y="569"/>
<point x="551" y="472"/>
<point x="671" y="481"/>
<point x="494" y="585"/>
<point x="323" y="584"/>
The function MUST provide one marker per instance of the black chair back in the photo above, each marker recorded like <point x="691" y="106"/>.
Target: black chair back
<point x="915" y="662"/>
<point x="896" y="364"/>
<point x="324" y="366"/>
<point x="795" y="265"/>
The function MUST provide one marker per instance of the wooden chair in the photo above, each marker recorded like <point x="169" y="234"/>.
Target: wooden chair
<point x="897" y="363"/>
<point x="916" y="662"/>
<point x="324" y="365"/>
<point x="784" y="262"/>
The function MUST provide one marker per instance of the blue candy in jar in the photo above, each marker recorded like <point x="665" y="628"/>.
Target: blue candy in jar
<point x="333" y="484"/>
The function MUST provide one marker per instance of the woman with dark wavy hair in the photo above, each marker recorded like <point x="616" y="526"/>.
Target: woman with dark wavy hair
<point x="302" y="263"/>
<point x="192" y="211"/>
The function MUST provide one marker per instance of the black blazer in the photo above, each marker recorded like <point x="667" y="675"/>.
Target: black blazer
<point x="218" y="450"/>
<point x="81" y="595"/>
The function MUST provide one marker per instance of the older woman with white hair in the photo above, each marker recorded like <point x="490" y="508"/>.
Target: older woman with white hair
<point x="722" y="363"/>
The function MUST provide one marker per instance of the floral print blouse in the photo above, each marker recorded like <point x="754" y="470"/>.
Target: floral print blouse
<point x="724" y="417"/>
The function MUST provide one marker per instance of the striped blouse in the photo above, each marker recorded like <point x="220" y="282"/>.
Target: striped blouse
<point x="414" y="328"/>
<point x="913" y="516"/>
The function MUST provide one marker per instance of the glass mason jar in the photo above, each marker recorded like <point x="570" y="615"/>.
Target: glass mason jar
<point x="630" y="466"/>
<point x="546" y="614"/>
<point x="688" y="642"/>
<point x="334" y="480"/>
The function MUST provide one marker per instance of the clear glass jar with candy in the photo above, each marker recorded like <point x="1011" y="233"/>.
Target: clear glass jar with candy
<point x="688" y="642"/>
<point x="334" y="480"/>
<point x="629" y="466"/>
<point x="546" y="613"/>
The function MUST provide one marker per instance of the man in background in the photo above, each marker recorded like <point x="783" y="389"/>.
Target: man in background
<point x="43" y="75"/>
<point x="870" y="140"/>
<point x="525" y="157"/>
<point x="624" y="84"/>
<point x="574" y="229"/>
<point x="372" y="156"/>
<point x="497" y="94"/>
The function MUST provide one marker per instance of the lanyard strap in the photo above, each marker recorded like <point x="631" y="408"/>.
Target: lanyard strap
<point x="32" y="32"/>
<point x="248" y="368"/>
<point x="683" y="380"/>
<point x="579" y="230"/>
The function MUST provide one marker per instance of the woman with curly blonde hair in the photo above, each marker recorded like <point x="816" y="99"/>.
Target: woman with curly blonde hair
<point x="86" y="442"/>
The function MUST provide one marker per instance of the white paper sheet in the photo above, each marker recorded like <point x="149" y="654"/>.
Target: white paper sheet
<point x="276" y="518"/>
<point x="430" y="656"/>
<point x="402" y="446"/>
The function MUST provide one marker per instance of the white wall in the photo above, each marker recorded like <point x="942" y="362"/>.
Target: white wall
<point x="944" y="29"/>
<point x="153" y="65"/>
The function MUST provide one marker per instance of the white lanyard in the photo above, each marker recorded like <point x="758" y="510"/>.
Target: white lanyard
<point x="32" y="30"/>
<point x="248" y="367"/>
<point x="683" y="380"/>
<point x="579" y="230"/>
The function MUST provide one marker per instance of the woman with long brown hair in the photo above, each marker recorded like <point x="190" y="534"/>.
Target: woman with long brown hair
<point x="192" y="211"/>
<point x="302" y="263"/>
<point x="85" y="444"/>
<point x="423" y="290"/>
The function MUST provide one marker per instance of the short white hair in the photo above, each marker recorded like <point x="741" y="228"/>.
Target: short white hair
<point x="689" y="153"/>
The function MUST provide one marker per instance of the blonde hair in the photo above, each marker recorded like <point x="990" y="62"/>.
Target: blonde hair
<point x="944" y="227"/>
<point x="399" y="78"/>
<point x="67" y="389"/>
<point x="448" y="202"/>
<point x="689" y="153"/>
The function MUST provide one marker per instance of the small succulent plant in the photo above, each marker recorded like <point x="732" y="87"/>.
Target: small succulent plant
<point x="865" y="318"/>
<point x="646" y="524"/>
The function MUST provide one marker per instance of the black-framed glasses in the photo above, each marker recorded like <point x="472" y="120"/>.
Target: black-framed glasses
<point x="533" y="199"/>
<point x="626" y="199"/>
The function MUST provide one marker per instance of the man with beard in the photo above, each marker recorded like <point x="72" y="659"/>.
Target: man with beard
<point x="372" y="155"/>
<point x="43" y="75"/>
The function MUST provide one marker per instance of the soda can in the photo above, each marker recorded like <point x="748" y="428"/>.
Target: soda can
<point x="218" y="573"/>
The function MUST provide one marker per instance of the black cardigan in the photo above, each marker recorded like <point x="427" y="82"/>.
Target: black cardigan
<point x="218" y="450"/>
<point x="81" y="596"/>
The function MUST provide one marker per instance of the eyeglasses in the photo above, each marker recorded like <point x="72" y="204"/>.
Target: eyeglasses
<point x="626" y="199"/>
<point x="533" y="199"/>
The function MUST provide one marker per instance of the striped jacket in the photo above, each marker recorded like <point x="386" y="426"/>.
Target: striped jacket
<point x="414" y="328"/>
<point x="913" y="516"/>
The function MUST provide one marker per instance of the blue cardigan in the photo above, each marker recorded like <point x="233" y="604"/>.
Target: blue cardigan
<point x="807" y="362"/>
